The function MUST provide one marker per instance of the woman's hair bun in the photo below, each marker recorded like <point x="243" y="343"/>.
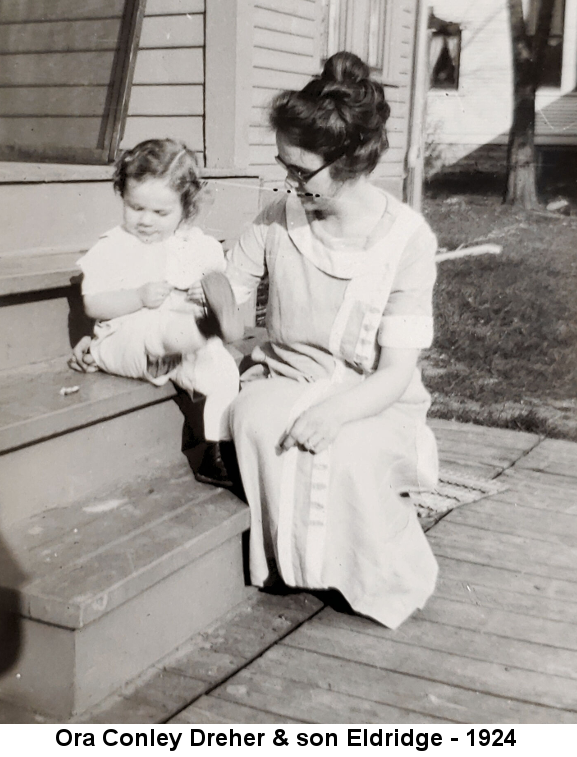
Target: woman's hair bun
<point x="345" y="68"/>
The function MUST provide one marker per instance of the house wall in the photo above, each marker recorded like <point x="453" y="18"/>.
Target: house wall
<point x="478" y="113"/>
<point x="167" y="96"/>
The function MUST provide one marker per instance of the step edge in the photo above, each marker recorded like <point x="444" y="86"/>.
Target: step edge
<point x="65" y="614"/>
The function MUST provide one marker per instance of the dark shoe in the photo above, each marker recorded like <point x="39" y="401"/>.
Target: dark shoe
<point x="212" y="470"/>
<point x="223" y="313"/>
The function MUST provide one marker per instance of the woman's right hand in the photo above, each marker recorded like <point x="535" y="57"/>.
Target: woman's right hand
<point x="154" y="293"/>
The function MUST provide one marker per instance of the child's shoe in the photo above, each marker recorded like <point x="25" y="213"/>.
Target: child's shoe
<point x="222" y="308"/>
<point x="212" y="470"/>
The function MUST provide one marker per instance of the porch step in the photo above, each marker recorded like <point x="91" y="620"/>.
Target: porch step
<point x="57" y="449"/>
<point x="117" y="582"/>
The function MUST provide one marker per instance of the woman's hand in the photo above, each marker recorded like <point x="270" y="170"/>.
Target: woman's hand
<point x="81" y="360"/>
<point x="154" y="293"/>
<point x="315" y="429"/>
<point x="196" y="294"/>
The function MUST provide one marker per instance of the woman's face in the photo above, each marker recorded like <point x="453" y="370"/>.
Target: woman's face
<point x="315" y="192"/>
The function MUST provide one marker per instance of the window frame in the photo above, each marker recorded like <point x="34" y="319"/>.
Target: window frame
<point x="115" y="110"/>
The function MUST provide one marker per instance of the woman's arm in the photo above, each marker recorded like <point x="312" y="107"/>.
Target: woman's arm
<point x="106" y="305"/>
<point x="316" y="428"/>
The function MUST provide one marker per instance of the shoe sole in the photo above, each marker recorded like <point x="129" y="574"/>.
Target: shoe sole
<point x="221" y="302"/>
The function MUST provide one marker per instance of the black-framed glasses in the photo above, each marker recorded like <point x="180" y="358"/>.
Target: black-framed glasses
<point x="300" y="175"/>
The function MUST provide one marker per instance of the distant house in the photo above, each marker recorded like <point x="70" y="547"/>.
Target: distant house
<point x="469" y="104"/>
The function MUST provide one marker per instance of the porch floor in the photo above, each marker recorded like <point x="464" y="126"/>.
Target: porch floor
<point x="496" y="643"/>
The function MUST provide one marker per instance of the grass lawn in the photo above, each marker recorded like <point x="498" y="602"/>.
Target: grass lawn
<point x="505" y="351"/>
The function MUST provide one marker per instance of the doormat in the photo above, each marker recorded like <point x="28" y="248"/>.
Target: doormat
<point x="453" y="490"/>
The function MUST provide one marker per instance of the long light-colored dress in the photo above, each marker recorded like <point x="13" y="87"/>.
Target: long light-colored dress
<point x="336" y="519"/>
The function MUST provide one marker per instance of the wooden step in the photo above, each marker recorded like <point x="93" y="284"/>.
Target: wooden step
<point x="55" y="449"/>
<point x="114" y="583"/>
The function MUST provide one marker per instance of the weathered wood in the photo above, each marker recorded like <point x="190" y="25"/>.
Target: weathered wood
<point x="170" y="66"/>
<point x="552" y="456"/>
<point x="464" y="643"/>
<point x="190" y="129"/>
<point x="210" y="709"/>
<point x="501" y="517"/>
<point x="166" y="100"/>
<point x="509" y="624"/>
<point x="478" y="675"/>
<point x="545" y="491"/>
<point x="450" y="431"/>
<point x="509" y="551"/>
<point x="74" y="68"/>
<point x="172" y="31"/>
<point x="164" y="7"/>
<point x="52" y="101"/>
<point x="452" y="703"/>
<point x="507" y="590"/>
<point x="14" y="11"/>
<point x="101" y="34"/>
<point x="309" y="703"/>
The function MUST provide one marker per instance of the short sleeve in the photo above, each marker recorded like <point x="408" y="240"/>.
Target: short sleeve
<point x="247" y="259"/>
<point x="408" y="317"/>
<point x="101" y="269"/>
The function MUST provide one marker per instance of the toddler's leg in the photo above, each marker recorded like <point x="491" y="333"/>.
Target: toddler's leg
<point x="212" y="371"/>
<point x="180" y="335"/>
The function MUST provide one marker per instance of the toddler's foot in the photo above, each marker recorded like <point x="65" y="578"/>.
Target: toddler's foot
<point x="212" y="469"/>
<point x="222" y="307"/>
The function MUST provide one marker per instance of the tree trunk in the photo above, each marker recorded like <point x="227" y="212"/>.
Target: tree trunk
<point x="527" y="63"/>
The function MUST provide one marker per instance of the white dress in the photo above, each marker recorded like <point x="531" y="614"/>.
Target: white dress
<point x="335" y="519"/>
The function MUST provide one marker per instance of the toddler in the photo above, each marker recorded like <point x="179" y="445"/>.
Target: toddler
<point x="155" y="284"/>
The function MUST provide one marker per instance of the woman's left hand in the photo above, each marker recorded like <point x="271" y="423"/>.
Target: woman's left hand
<point x="314" y="430"/>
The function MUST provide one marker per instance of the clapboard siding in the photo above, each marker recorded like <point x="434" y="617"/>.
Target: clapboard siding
<point x="167" y="97"/>
<point x="286" y="54"/>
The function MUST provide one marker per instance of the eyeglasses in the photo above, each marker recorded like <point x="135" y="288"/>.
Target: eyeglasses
<point x="300" y="175"/>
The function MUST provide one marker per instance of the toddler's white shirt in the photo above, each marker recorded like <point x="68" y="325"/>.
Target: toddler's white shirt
<point x="120" y="260"/>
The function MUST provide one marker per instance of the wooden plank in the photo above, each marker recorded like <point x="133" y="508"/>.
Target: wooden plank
<point x="282" y="22"/>
<point x="308" y="703"/>
<point x="506" y="623"/>
<point x="495" y="515"/>
<point x="477" y="675"/>
<point x="60" y="36"/>
<point x="400" y="690"/>
<point x="52" y="101"/>
<point x="465" y="643"/>
<point x="164" y="7"/>
<point x="545" y="491"/>
<point x="544" y="597"/>
<point x="273" y="60"/>
<point x="73" y="131"/>
<point x="14" y="11"/>
<point x="279" y="80"/>
<point x="170" y="66"/>
<point x="508" y="551"/>
<point x="165" y="100"/>
<point x="187" y="128"/>
<point x="449" y="431"/>
<point x="284" y="42"/>
<point x="172" y="31"/>
<point x="210" y="709"/>
<point x="552" y="456"/>
<point x="57" y="69"/>
<point x="298" y="8"/>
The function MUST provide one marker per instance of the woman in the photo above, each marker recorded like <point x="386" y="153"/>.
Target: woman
<point x="330" y="428"/>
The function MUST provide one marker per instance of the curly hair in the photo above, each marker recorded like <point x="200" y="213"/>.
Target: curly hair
<point x="167" y="159"/>
<point x="339" y="115"/>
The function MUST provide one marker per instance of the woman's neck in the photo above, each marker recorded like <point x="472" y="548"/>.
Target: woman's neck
<point x="353" y="213"/>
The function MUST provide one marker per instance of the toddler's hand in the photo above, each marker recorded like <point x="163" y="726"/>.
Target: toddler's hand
<point x="196" y="294"/>
<point x="154" y="293"/>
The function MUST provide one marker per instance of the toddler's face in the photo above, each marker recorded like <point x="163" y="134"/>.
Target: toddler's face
<point x="152" y="209"/>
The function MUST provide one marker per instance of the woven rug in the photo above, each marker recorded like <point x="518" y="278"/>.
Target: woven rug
<point x="453" y="490"/>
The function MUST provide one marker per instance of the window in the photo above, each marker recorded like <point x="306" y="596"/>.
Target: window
<point x="553" y="55"/>
<point x="64" y="77"/>
<point x="357" y="26"/>
<point x="444" y="53"/>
